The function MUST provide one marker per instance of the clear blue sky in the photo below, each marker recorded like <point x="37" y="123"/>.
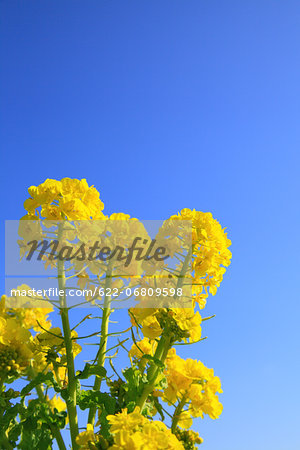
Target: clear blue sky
<point x="170" y="104"/>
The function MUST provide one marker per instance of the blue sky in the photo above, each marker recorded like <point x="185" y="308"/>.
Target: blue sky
<point x="172" y="104"/>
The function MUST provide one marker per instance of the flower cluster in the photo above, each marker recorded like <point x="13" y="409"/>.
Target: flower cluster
<point x="50" y="352"/>
<point x="136" y="432"/>
<point x="56" y="403"/>
<point x="66" y="199"/>
<point x="193" y="384"/>
<point x="184" y="323"/>
<point x="189" y="438"/>
<point x="16" y="350"/>
<point x="86" y="440"/>
<point x="211" y="255"/>
<point x="31" y="318"/>
<point x="189" y="382"/>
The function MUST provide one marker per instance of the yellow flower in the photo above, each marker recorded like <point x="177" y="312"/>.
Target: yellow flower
<point x="15" y="347"/>
<point x="50" y="339"/>
<point x="185" y="420"/>
<point x="35" y="318"/>
<point x="51" y="212"/>
<point x="184" y="322"/>
<point x="86" y="440"/>
<point x="50" y="352"/>
<point x="74" y="200"/>
<point x="146" y="317"/>
<point x="58" y="403"/>
<point x="143" y="347"/>
<point x="125" y="421"/>
<point x="53" y="340"/>
<point x="211" y="255"/>
<point x="188" y="321"/>
<point x="15" y="332"/>
<point x="2" y="330"/>
<point x="189" y="438"/>
<point x="45" y="192"/>
<point x="192" y="381"/>
<point x="135" y="432"/>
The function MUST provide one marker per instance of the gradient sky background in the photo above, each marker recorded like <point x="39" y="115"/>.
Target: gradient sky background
<point x="170" y="104"/>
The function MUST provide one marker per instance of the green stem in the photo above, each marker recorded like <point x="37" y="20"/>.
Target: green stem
<point x="161" y="353"/>
<point x="103" y="342"/>
<point x="71" y="401"/>
<point x="58" y="437"/>
<point x="183" y="271"/>
<point x="165" y="342"/>
<point x="177" y="413"/>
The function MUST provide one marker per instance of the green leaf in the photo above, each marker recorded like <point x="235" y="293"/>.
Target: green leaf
<point x="8" y="422"/>
<point x="14" y="432"/>
<point x="96" y="398"/>
<point x="156" y="361"/>
<point x="47" y="378"/>
<point x="135" y="383"/>
<point x="91" y="369"/>
<point x="64" y="394"/>
<point x="36" y="425"/>
<point x="104" y="423"/>
<point x="131" y="406"/>
<point x="36" y="432"/>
